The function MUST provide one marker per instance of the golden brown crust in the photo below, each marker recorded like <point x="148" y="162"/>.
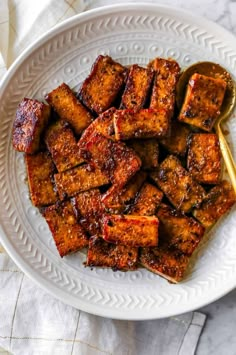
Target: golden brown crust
<point x="147" y="201"/>
<point x="118" y="257"/>
<point x="177" y="142"/>
<point x="204" y="158"/>
<point x="31" y="119"/>
<point x="177" y="184"/>
<point x="147" y="150"/>
<point x="134" y="231"/>
<point x="40" y="170"/>
<point x="217" y="202"/>
<point x="178" y="231"/>
<point x="68" y="235"/>
<point x="170" y="264"/>
<point x="203" y="100"/>
<point x="145" y="123"/>
<point x="137" y="87"/>
<point x="69" y="108"/>
<point x="62" y="145"/>
<point x="103" y="84"/>
<point x="164" y="87"/>
<point x="78" y="179"/>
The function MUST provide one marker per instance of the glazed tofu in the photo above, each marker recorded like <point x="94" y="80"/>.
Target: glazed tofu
<point x="40" y="170"/>
<point x="164" y="86"/>
<point x="69" y="108"/>
<point x="89" y="210"/>
<point x="118" y="162"/>
<point x="31" y="119"/>
<point x="203" y="100"/>
<point x="147" y="150"/>
<point x="137" y="87"/>
<point x="102" y="86"/>
<point x="178" y="231"/>
<point x="177" y="184"/>
<point x="204" y="158"/>
<point x="177" y="142"/>
<point x="170" y="264"/>
<point x="147" y="201"/>
<point x="62" y="145"/>
<point x="117" y="257"/>
<point x="133" y="231"/>
<point x="145" y="123"/>
<point x="217" y="202"/>
<point x="103" y="124"/>
<point x="119" y="200"/>
<point x="78" y="179"/>
<point x="68" y="235"/>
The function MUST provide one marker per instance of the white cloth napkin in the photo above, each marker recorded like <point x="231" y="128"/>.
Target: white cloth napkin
<point x="31" y="320"/>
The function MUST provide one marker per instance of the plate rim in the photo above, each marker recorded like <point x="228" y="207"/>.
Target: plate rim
<point x="21" y="263"/>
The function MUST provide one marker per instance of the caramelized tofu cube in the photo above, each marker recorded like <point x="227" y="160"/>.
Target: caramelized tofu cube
<point x="164" y="87"/>
<point x="78" y="179"/>
<point x="177" y="142"/>
<point x="68" y="235"/>
<point x="104" y="83"/>
<point x="89" y="210"/>
<point x="178" y="231"/>
<point x="62" y="145"/>
<point x="170" y="264"/>
<point x="204" y="158"/>
<point x="177" y="184"/>
<point x="147" y="150"/>
<point x="118" y="162"/>
<point x="137" y="87"/>
<point x="118" y="200"/>
<point x="147" y="201"/>
<point x="118" y="257"/>
<point x="203" y="100"/>
<point x="40" y="170"/>
<point x="69" y="108"/>
<point x="31" y="118"/>
<point x="133" y="231"/>
<point x="103" y="124"/>
<point x="145" y="123"/>
<point x="217" y="202"/>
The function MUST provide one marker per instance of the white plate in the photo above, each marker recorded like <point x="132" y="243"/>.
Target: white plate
<point x="131" y="34"/>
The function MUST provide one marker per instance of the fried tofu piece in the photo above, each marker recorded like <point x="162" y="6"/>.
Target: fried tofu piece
<point x="164" y="87"/>
<point x="117" y="257"/>
<point x="147" y="201"/>
<point x="103" y="124"/>
<point x="137" y="87"/>
<point x="203" y="100"/>
<point x="177" y="184"/>
<point x="102" y="86"/>
<point x="177" y="142"/>
<point x="147" y="150"/>
<point x="89" y="210"/>
<point x="168" y="263"/>
<point x="217" y="202"/>
<point x="40" y="170"/>
<point x="117" y="161"/>
<point x="69" y="108"/>
<point x="145" y="123"/>
<point x="134" y="231"/>
<point x="67" y="233"/>
<point x="31" y="119"/>
<point x="179" y="231"/>
<point x="204" y="158"/>
<point x="62" y="145"/>
<point x="118" y="200"/>
<point x="78" y="179"/>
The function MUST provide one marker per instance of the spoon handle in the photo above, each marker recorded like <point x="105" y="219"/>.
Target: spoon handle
<point x="227" y="155"/>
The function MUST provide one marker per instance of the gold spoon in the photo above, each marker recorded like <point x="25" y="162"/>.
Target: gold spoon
<point x="216" y="71"/>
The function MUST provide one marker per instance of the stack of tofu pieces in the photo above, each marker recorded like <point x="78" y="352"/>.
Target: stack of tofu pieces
<point x="118" y="170"/>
